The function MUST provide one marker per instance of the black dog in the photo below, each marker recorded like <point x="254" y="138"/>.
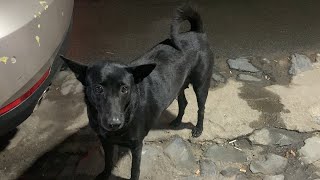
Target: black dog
<point x="124" y="101"/>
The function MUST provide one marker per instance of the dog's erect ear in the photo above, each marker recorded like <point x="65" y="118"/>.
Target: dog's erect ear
<point x="78" y="69"/>
<point x="141" y="71"/>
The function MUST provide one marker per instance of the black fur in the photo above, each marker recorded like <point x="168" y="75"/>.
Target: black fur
<point x="124" y="101"/>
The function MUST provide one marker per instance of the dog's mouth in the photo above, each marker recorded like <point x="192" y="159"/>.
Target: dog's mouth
<point x="111" y="127"/>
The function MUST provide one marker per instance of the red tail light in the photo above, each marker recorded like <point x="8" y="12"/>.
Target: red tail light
<point x="26" y="95"/>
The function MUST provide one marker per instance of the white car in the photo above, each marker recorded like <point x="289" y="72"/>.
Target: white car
<point x="32" y="33"/>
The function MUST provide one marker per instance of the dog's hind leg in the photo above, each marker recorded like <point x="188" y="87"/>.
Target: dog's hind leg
<point x="201" y="90"/>
<point x="182" y="102"/>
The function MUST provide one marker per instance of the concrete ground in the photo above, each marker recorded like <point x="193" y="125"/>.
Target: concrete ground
<point x="262" y="118"/>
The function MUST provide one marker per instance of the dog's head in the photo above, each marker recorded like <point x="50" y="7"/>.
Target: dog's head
<point x="109" y="88"/>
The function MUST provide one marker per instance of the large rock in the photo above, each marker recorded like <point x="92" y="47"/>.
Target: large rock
<point x="242" y="64"/>
<point x="274" y="136"/>
<point x="299" y="63"/>
<point x="310" y="152"/>
<point x="302" y="100"/>
<point x="225" y="154"/>
<point x="179" y="152"/>
<point x="272" y="165"/>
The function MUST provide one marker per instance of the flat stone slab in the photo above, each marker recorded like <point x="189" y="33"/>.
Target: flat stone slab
<point x="310" y="152"/>
<point x="155" y="164"/>
<point x="272" y="165"/>
<point x="242" y="64"/>
<point x="179" y="152"/>
<point x="225" y="154"/>
<point x="274" y="136"/>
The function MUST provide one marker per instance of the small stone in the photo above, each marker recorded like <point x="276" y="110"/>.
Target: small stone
<point x="181" y="155"/>
<point x="225" y="154"/>
<point x="266" y="60"/>
<point x="273" y="165"/>
<point x="218" y="77"/>
<point x="274" y="136"/>
<point x="275" y="177"/>
<point x="310" y="152"/>
<point x="208" y="168"/>
<point x="242" y="64"/>
<point x="299" y="63"/>
<point x="243" y="170"/>
<point x="245" y="77"/>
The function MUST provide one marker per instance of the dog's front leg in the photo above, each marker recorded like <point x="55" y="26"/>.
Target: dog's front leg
<point x="136" y="159"/>
<point x="108" y="157"/>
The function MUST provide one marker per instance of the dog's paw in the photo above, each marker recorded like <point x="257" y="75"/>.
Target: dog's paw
<point x="196" y="132"/>
<point x="175" y="123"/>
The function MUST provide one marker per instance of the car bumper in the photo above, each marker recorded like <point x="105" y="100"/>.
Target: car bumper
<point x="16" y="116"/>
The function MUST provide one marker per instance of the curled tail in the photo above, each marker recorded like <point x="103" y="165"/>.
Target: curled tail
<point x="185" y="12"/>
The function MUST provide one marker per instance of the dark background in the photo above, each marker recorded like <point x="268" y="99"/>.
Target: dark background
<point x="124" y="29"/>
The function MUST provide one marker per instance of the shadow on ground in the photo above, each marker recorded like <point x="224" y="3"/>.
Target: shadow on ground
<point x="70" y="159"/>
<point x="5" y="139"/>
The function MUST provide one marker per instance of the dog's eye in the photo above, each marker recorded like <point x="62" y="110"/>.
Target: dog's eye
<point x="98" y="89"/>
<point x="124" y="89"/>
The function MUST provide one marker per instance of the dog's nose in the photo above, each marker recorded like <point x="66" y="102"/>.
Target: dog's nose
<point x="114" y="124"/>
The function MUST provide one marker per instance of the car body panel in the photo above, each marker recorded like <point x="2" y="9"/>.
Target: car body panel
<point x="33" y="31"/>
